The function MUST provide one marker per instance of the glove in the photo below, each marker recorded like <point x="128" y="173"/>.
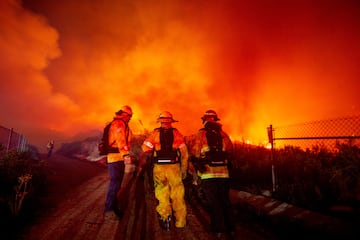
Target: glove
<point x="199" y="164"/>
<point x="127" y="159"/>
<point x="196" y="180"/>
<point x="183" y="175"/>
<point x="139" y="172"/>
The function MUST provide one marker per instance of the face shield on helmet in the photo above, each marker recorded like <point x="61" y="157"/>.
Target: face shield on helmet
<point x="167" y="117"/>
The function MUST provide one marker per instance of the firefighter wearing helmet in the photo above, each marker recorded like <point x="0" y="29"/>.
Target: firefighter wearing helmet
<point x="166" y="146"/>
<point x="117" y="157"/>
<point x="211" y="153"/>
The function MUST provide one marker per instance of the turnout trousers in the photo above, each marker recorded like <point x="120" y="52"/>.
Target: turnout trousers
<point x="169" y="191"/>
<point x="216" y="192"/>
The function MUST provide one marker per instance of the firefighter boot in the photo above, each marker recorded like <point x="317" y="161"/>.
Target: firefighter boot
<point x="165" y="223"/>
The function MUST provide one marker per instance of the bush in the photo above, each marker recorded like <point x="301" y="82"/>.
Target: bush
<point x="315" y="179"/>
<point x="22" y="175"/>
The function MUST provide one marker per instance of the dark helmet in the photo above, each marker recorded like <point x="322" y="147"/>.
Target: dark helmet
<point x="210" y="114"/>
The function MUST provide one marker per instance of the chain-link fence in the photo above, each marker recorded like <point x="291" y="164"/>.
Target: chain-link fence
<point x="327" y="134"/>
<point x="12" y="140"/>
<point x="324" y="133"/>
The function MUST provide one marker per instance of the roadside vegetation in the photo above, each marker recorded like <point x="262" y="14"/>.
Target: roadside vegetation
<point x="23" y="178"/>
<point x="317" y="179"/>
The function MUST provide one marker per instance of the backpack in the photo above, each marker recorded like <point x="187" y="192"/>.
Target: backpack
<point x="104" y="145"/>
<point x="166" y="154"/>
<point x="215" y="156"/>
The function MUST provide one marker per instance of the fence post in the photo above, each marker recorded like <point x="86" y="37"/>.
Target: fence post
<point x="21" y="143"/>
<point x="271" y="141"/>
<point x="9" y="140"/>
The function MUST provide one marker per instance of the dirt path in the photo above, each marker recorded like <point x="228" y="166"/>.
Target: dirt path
<point x="77" y="214"/>
<point x="76" y="201"/>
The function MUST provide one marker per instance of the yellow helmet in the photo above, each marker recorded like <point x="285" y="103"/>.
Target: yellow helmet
<point x="125" y="109"/>
<point x="166" y="116"/>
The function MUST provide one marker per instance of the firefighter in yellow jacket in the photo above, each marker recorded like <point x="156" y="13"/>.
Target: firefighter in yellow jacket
<point x="169" y="155"/>
<point x="118" y="156"/>
<point x="211" y="151"/>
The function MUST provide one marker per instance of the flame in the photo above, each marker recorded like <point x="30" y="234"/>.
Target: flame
<point x="69" y="67"/>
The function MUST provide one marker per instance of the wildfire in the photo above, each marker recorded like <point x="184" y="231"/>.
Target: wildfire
<point x="82" y="60"/>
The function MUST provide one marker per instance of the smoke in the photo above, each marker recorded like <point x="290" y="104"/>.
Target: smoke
<point x="69" y="66"/>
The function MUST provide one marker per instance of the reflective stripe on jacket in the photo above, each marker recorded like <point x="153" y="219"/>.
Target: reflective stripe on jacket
<point x="200" y="147"/>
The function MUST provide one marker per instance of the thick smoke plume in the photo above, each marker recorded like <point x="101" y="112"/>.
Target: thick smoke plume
<point x="67" y="66"/>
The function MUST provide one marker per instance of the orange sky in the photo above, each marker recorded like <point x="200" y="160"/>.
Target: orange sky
<point x="67" y="66"/>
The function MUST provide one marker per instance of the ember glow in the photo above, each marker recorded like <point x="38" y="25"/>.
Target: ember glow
<point x="67" y="66"/>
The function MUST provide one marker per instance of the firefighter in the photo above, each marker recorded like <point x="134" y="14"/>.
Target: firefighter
<point x="50" y="147"/>
<point x="211" y="151"/>
<point x="119" y="154"/>
<point x="166" y="147"/>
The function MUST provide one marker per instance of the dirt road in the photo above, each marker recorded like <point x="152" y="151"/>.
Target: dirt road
<point x="79" y="193"/>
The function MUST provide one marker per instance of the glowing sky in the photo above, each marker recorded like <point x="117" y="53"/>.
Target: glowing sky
<point x="67" y="66"/>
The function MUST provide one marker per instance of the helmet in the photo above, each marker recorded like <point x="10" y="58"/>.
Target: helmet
<point x="210" y="114"/>
<point x="125" y="109"/>
<point x="166" y="116"/>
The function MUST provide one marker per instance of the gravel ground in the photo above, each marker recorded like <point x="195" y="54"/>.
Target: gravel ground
<point x="73" y="206"/>
<point x="63" y="175"/>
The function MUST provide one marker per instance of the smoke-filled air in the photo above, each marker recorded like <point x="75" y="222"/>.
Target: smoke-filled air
<point x="67" y="66"/>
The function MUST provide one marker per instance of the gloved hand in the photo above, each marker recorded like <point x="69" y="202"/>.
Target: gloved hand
<point x="139" y="172"/>
<point x="196" y="179"/>
<point x="127" y="159"/>
<point x="183" y="175"/>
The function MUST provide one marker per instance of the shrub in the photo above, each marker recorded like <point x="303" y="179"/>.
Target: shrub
<point x="315" y="178"/>
<point x="22" y="175"/>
